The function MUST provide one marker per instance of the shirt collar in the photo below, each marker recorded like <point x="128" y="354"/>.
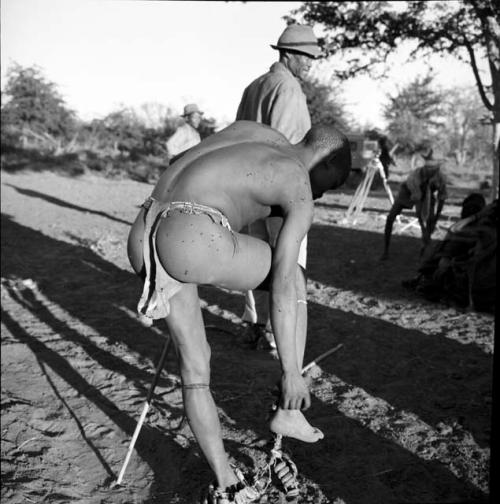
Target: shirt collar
<point x="277" y="66"/>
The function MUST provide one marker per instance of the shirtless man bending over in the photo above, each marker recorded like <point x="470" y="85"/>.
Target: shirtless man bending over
<point x="187" y="233"/>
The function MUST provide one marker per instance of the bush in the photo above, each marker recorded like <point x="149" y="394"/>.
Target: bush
<point x="32" y="106"/>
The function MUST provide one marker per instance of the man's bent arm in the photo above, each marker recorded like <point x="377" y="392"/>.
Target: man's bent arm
<point x="423" y="223"/>
<point x="284" y="304"/>
<point x="439" y="209"/>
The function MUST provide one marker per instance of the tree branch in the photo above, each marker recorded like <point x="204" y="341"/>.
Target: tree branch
<point x="479" y="83"/>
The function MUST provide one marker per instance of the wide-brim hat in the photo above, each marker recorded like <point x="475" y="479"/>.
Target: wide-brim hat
<point x="191" y="108"/>
<point x="299" y="38"/>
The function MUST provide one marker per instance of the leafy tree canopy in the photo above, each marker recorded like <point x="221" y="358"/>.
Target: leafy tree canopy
<point x="466" y="134"/>
<point x="415" y="113"/>
<point x="324" y="106"/>
<point x="368" y="31"/>
<point x="30" y="100"/>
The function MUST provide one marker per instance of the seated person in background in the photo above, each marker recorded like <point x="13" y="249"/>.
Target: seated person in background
<point x="461" y="268"/>
<point x="188" y="233"/>
<point x="471" y="205"/>
<point x="424" y="188"/>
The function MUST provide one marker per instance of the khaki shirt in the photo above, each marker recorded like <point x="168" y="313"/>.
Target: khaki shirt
<point x="418" y="185"/>
<point x="184" y="138"/>
<point x="276" y="99"/>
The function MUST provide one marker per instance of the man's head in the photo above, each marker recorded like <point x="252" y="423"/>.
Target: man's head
<point x="298" y="47"/>
<point x="332" y="158"/>
<point x="426" y="150"/>
<point x="192" y="115"/>
<point x="299" y="64"/>
<point x="472" y="204"/>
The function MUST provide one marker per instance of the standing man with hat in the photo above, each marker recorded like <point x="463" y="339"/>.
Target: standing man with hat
<point x="186" y="135"/>
<point x="276" y="99"/>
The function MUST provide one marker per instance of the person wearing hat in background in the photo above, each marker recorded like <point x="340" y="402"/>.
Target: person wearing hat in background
<point x="424" y="189"/>
<point x="186" y="135"/>
<point x="276" y="99"/>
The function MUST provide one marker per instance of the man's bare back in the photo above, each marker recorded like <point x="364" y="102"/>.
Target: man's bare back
<point x="187" y="233"/>
<point x="241" y="171"/>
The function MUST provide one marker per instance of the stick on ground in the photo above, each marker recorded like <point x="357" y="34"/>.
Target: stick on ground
<point x="321" y="357"/>
<point x="145" y="410"/>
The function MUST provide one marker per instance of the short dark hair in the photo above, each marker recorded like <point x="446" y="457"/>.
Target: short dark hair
<point x="336" y="148"/>
<point x="326" y="137"/>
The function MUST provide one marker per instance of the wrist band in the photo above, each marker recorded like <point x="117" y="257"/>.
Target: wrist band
<point x="192" y="386"/>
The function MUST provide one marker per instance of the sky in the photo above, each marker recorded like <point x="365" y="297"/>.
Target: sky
<point x="105" y="54"/>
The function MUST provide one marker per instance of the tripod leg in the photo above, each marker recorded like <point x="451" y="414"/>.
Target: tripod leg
<point x="369" y="181"/>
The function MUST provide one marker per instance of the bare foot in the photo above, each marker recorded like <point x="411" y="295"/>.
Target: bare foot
<point x="293" y="423"/>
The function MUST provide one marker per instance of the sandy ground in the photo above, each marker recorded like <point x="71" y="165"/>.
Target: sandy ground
<point x="405" y="402"/>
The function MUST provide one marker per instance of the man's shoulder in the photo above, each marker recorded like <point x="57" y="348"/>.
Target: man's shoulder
<point x="440" y="181"/>
<point x="188" y="128"/>
<point x="182" y="128"/>
<point x="416" y="174"/>
<point x="244" y="131"/>
<point x="442" y="177"/>
<point x="287" y="165"/>
<point x="277" y="76"/>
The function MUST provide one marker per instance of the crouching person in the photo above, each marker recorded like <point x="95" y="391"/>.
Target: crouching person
<point x="187" y="233"/>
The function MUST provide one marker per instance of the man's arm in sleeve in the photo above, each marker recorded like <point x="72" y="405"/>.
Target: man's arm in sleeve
<point x="441" y="198"/>
<point x="413" y="183"/>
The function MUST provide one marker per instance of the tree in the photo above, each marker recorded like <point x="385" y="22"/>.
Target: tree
<point x="323" y="105"/>
<point x="370" y="31"/>
<point x="415" y="113"/>
<point x="32" y="102"/>
<point x="124" y="129"/>
<point x="464" y="132"/>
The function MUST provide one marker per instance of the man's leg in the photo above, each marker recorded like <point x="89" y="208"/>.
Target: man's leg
<point x="221" y="263"/>
<point x="185" y="324"/>
<point x="395" y="210"/>
<point x="256" y="312"/>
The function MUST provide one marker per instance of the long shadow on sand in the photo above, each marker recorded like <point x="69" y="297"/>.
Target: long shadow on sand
<point x="349" y="258"/>
<point x="242" y="378"/>
<point x="65" y="204"/>
<point x="384" y="360"/>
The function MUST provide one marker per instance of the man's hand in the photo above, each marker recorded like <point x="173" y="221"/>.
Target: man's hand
<point x="294" y="392"/>
<point x="418" y="209"/>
